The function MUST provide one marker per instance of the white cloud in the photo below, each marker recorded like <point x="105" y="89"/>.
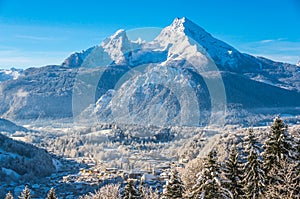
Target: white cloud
<point x="20" y="59"/>
<point x="276" y="49"/>
<point x="266" y="41"/>
<point x="37" y="38"/>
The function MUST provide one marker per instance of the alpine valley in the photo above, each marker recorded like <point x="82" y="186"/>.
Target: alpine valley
<point x="134" y="105"/>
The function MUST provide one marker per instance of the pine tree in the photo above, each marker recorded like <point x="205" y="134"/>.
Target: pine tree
<point x="130" y="191"/>
<point x="9" y="196"/>
<point x="287" y="182"/>
<point x="51" y="194"/>
<point x="278" y="146"/>
<point x="174" y="187"/>
<point x="25" y="194"/>
<point x="233" y="173"/>
<point x="209" y="184"/>
<point x="254" y="176"/>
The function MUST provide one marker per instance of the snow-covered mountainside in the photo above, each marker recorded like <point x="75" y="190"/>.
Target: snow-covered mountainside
<point x="9" y="74"/>
<point x="184" y="76"/>
<point x="10" y="127"/>
<point x="23" y="161"/>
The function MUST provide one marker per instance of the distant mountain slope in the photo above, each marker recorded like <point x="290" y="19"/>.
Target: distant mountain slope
<point x="182" y="77"/>
<point x="40" y="92"/>
<point x="23" y="161"/>
<point x="9" y="74"/>
<point x="10" y="127"/>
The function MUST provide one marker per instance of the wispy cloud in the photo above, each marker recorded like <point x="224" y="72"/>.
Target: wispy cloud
<point x="271" y="40"/>
<point x="277" y="49"/>
<point x="266" y="41"/>
<point x="33" y="37"/>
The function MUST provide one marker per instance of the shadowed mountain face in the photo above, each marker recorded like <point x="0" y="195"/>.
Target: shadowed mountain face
<point x="10" y="127"/>
<point x="184" y="76"/>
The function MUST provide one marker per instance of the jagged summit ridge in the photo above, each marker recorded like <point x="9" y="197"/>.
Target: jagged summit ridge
<point x="181" y="39"/>
<point x="187" y="26"/>
<point x="116" y="46"/>
<point x="183" y="35"/>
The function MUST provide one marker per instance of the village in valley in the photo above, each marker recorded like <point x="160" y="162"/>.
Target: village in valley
<point x="87" y="174"/>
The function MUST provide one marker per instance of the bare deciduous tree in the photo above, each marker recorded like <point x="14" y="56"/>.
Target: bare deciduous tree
<point x="110" y="191"/>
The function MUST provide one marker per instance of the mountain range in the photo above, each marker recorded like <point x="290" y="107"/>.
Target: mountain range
<point x="184" y="76"/>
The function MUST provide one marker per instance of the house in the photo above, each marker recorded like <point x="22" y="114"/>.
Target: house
<point x="135" y="174"/>
<point x="148" y="178"/>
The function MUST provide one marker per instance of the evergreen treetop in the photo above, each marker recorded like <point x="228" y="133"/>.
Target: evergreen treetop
<point x="279" y="146"/>
<point x="209" y="183"/>
<point x="51" y="194"/>
<point x="174" y="188"/>
<point x="130" y="191"/>
<point x="254" y="176"/>
<point x="25" y="194"/>
<point x="9" y="196"/>
<point x="233" y="173"/>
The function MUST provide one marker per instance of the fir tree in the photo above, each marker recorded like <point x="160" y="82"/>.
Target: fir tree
<point x="174" y="187"/>
<point x="51" y="194"/>
<point x="209" y="183"/>
<point x="278" y="146"/>
<point x="25" y="194"/>
<point x="254" y="176"/>
<point x="233" y="173"/>
<point x="9" y="196"/>
<point x="287" y="182"/>
<point x="130" y="191"/>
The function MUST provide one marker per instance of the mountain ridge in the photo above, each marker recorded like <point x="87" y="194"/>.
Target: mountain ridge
<point x="183" y="76"/>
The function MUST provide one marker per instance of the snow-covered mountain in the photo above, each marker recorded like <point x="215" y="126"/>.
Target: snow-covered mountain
<point x="23" y="161"/>
<point x="184" y="76"/>
<point x="10" y="127"/>
<point x="9" y="74"/>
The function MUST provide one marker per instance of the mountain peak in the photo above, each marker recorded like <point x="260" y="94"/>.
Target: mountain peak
<point x="119" y="33"/>
<point x="182" y="22"/>
<point x="187" y="26"/>
<point x="117" y="45"/>
<point x="184" y="34"/>
<point x="118" y="37"/>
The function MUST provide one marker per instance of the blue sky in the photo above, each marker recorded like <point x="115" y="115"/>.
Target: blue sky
<point x="36" y="33"/>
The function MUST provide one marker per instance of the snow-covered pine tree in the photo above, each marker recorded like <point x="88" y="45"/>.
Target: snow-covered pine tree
<point x="287" y="182"/>
<point x="233" y="173"/>
<point x="254" y="176"/>
<point x="174" y="188"/>
<point x="9" y="196"/>
<point x="278" y="145"/>
<point x="25" y="194"/>
<point x="51" y="194"/>
<point x="130" y="191"/>
<point x="209" y="184"/>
